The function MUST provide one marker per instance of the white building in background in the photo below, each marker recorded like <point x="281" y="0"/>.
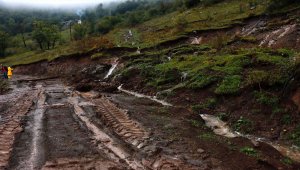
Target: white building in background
<point x="79" y="22"/>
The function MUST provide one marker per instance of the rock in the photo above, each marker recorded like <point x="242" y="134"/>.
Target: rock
<point x="255" y="143"/>
<point x="200" y="150"/>
<point x="195" y="162"/>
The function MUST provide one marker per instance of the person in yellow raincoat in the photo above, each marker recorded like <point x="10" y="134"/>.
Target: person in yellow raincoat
<point x="9" y="73"/>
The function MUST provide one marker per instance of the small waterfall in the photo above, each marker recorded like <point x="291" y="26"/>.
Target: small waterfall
<point x="153" y="98"/>
<point x="113" y="67"/>
<point x="220" y="128"/>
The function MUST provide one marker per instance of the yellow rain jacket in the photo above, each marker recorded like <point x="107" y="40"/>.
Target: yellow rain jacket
<point x="9" y="73"/>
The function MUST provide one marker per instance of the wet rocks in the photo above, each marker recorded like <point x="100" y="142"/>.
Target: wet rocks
<point x="106" y="87"/>
<point x="96" y="71"/>
<point x="200" y="150"/>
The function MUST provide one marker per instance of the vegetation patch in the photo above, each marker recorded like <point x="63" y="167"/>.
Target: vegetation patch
<point x="249" y="151"/>
<point x="207" y="136"/>
<point x="229" y="85"/>
<point x="243" y="125"/>
<point x="294" y="136"/>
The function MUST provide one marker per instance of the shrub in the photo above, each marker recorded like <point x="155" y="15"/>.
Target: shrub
<point x="295" y="136"/>
<point x="287" y="161"/>
<point x="265" y="98"/>
<point x="196" y="123"/>
<point x="243" y="125"/>
<point x="256" y="77"/>
<point x="230" y="85"/>
<point x="210" y="103"/>
<point x="223" y="116"/>
<point x="286" y="119"/>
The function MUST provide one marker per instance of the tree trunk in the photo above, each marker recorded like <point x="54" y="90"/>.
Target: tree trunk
<point x="53" y="44"/>
<point x="23" y="38"/>
<point x="41" y="45"/>
<point x="71" y="31"/>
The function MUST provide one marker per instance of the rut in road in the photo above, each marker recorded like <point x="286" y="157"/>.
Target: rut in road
<point x="54" y="137"/>
<point x="119" y="120"/>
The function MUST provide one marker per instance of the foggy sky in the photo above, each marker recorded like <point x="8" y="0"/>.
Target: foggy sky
<point x="52" y="3"/>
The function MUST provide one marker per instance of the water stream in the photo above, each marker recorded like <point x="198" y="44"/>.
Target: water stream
<point x="220" y="128"/>
<point x="113" y="67"/>
<point x="153" y="98"/>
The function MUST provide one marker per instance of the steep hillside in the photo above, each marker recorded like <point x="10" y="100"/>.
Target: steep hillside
<point x="232" y="66"/>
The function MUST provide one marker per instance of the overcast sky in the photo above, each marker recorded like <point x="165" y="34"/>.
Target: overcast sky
<point x="53" y="3"/>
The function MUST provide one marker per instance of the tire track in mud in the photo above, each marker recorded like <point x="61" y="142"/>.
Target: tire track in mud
<point x="130" y="131"/>
<point x="10" y="124"/>
<point x="60" y="133"/>
<point x="54" y="138"/>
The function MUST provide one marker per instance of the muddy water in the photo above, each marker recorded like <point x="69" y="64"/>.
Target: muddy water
<point x="220" y="128"/>
<point x="153" y="98"/>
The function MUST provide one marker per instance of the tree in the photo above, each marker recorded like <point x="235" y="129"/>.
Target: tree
<point x="3" y="42"/>
<point x="52" y="35"/>
<point x="80" y="31"/>
<point x="45" y="34"/>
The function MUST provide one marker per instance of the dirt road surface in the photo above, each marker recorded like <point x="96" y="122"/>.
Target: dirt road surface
<point x="45" y="124"/>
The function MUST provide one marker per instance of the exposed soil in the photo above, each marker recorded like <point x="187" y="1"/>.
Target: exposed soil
<point x="81" y="121"/>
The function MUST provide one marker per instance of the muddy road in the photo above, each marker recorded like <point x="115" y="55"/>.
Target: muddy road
<point x="45" y="124"/>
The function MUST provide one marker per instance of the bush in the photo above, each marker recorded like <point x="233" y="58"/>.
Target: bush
<point x="230" y="85"/>
<point x="210" y="103"/>
<point x="223" y="116"/>
<point x="295" y="136"/>
<point x="266" y="99"/>
<point x="243" y="125"/>
<point x="256" y="77"/>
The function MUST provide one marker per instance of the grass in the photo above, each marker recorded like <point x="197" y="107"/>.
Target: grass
<point x="209" y="103"/>
<point x="165" y="28"/>
<point x="266" y="98"/>
<point x="223" y="73"/>
<point x="229" y="85"/>
<point x="249" y="151"/>
<point x="196" y="123"/>
<point x="207" y="136"/>
<point x="35" y="56"/>
<point x="287" y="161"/>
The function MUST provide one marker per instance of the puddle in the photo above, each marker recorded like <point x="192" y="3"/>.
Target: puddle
<point x="153" y="98"/>
<point x="220" y="128"/>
